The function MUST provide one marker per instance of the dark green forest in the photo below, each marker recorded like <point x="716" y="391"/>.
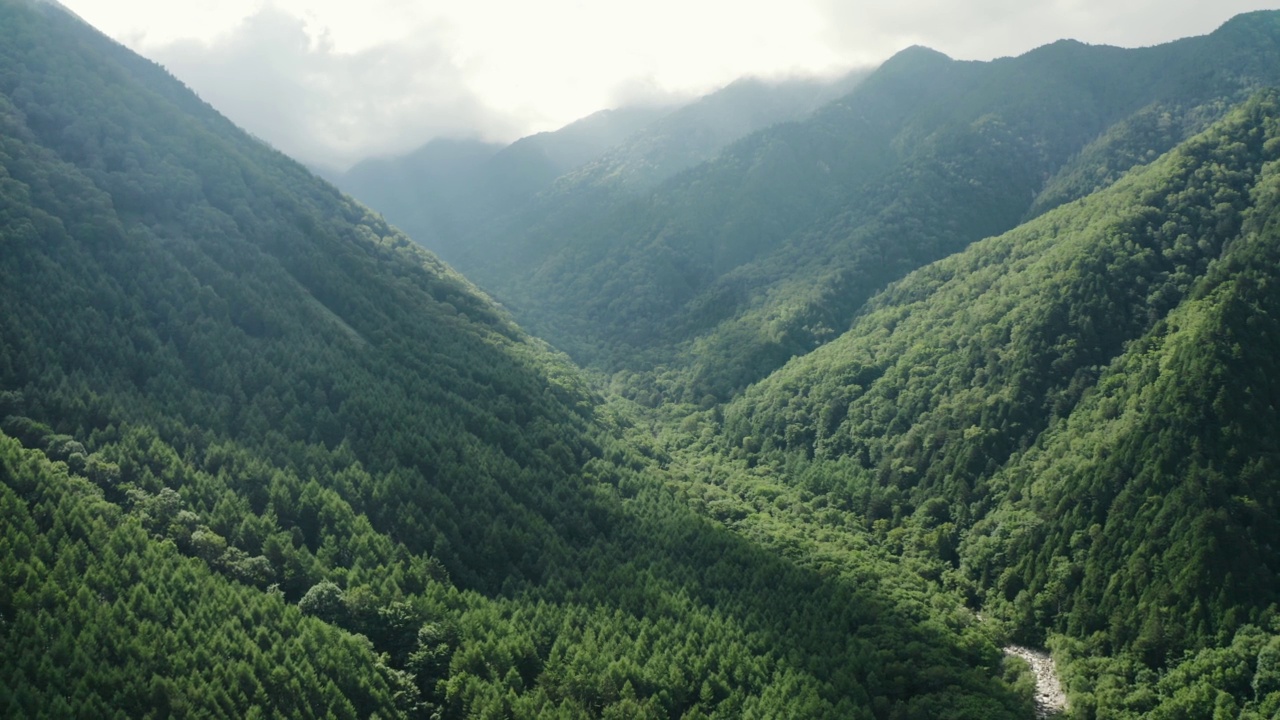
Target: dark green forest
<point x="1076" y="418"/>
<point x="262" y="388"/>
<point x="978" y="353"/>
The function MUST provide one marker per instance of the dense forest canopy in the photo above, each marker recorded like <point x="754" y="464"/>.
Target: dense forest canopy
<point x="976" y="353"/>
<point x="249" y="386"/>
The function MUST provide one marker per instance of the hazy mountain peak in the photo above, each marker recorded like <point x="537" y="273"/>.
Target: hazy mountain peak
<point x="57" y="6"/>
<point x="439" y="152"/>
<point x="1250" y="19"/>
<point x="916" y="56"/>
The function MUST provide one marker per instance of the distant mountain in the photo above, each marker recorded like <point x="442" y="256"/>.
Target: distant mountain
<point x="696" y="132"/>
<point x="440" y="192"/>
<point x="584" y="140"/>
<point x="262" y="455"/>
<point x="463" y="211"/>
<point x="425" y="189"/>
<point x="725" y="271"/>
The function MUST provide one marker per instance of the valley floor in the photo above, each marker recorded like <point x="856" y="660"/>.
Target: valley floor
<point x="1050" y="699"/>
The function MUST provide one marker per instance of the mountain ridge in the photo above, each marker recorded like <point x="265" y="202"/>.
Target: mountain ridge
<point x="697" y="269"/>
<point x="519" y="188"/>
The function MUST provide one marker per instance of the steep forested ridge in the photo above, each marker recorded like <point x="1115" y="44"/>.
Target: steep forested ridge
<point x="262" y="455"/>
<point x="503" y="243"/>
<point x="101" y="620"/>
<point x="1076" y="419"/>
<point x="424" y="189"/>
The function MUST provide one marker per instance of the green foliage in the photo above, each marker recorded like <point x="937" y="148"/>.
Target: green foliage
<point x="1231" y="680"/>
<point x="100" y="619"/>
<point x="301" y="430"/>
<point x="262" y="455"/>
<point x="1157" y="497"/>
<point x="1071" y="424"/>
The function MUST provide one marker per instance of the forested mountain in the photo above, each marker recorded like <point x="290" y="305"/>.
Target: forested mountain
<point x="1076" y="422"/>
<point x="463" y="201"/>
<point x="442" y="191"/>
<point x="263" y="455"/>
<point x="727" y="270"/>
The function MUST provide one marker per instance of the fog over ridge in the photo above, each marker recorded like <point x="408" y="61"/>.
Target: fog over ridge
<point x="333" y="83"/>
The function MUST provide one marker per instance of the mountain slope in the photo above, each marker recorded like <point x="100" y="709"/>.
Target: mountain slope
<point x="1167" y="469"/>
<point x="249" y="386"/>
<point x="440" y="192"/>
<point x="1075" y="421"/>
<point x="424" y="188"/>
<point x="84" y="582"/>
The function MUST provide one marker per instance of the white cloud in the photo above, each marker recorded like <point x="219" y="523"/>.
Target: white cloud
<point x="291" y="86"/>
<point x="150" y="23"/>
<point x="985" y="29"/>
<point x="331" y="82"/>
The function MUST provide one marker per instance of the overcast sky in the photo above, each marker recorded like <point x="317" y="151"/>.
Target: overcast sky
<point x="333" y="82"/>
